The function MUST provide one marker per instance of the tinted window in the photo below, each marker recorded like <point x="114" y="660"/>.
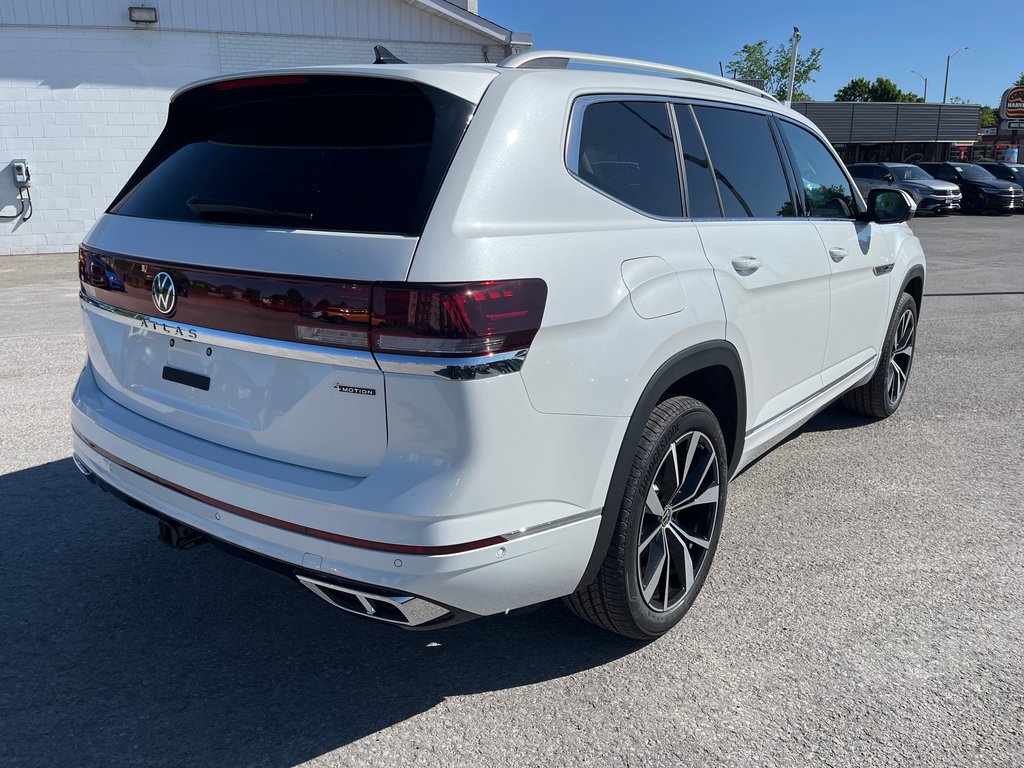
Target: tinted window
<point x="827" y="193"/>
<point x="939" y="171"/>
<point x="746" y="162"/>
<point x="351" y="154"/>
<point x="700" y="186"/>
<point x="910" y="173"/>
<point x="626" y="151"/>
<point x="973" y="172"/>
<point x="863" y="171"/>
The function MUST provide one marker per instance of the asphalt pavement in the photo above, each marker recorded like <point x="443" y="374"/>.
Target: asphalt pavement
<point x="865" y="607"/>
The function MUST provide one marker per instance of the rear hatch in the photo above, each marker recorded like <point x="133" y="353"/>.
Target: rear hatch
<point x="227" y="290"/>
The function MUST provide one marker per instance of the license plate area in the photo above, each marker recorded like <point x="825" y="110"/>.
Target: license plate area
<point x="189" y="379"/>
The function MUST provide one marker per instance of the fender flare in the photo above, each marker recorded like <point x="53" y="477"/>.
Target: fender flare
<point x="691" y="360"/>
<point x="915" y="271"/>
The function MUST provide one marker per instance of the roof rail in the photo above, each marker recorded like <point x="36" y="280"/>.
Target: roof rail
<point x="562" y="59"/>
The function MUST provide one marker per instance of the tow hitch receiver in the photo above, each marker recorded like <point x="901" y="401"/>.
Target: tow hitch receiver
<point x="179" y="536"/>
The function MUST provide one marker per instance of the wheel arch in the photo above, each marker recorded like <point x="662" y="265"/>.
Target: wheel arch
<point x="710" y="372"/>
<point x="913" y="283"/>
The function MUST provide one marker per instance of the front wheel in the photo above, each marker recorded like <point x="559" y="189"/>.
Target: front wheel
<point x="669" y="522"/>
<point x="882" y="395"/>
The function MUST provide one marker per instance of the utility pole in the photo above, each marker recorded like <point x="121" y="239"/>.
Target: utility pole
<point x="914" y="71"/>
<point x="792" y="65"/>
<point x="945" y="88"/>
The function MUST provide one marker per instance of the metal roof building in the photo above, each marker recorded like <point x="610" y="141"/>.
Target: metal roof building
<point x="894" y="132"/>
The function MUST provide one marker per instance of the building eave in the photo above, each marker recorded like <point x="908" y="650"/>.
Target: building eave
<point x="464" y="18"/>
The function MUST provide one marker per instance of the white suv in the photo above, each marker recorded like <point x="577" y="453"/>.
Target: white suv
<point x="446" y="341"/>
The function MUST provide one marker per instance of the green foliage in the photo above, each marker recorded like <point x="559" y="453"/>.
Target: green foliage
<point x="759" y="61"/>
<point x="1020" y="80"/>
<point x="883" y="89"/>
<point x="989" y="117"/>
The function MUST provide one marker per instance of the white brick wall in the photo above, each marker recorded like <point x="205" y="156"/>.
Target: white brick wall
<point x="83" y="105"/>
<point x="241" y="52"/>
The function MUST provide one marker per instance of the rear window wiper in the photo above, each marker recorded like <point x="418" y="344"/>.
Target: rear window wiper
<point x="209" y="209"/>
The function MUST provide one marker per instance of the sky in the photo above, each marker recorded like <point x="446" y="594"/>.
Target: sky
<point x="866" y="39"/>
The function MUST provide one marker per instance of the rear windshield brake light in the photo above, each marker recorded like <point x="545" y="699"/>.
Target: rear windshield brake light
<point x="254" y="82"/>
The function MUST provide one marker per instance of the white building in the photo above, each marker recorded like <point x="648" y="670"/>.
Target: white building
<point x="84" y="90"/>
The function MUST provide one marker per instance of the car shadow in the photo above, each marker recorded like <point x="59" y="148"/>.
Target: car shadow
<point x="832" y="418"/>
<point x="119" y="650"/>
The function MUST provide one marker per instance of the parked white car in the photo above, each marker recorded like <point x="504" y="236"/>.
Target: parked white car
<point x="446" y="341"/>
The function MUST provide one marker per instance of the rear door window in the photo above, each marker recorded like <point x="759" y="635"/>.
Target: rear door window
<point x="627" y="152"/>
<point x="746" y="162"/>
<point x="701" y="195"/>
<point x="340" y="153"/>
<point x="826" y="190"/>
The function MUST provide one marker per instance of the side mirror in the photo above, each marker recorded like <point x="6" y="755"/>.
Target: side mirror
<point x="888" y="178"/>
<point x="889" y="206"/>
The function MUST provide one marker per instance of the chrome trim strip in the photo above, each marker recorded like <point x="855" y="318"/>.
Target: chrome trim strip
<point x="351" y="358"/>
<point x="586" y="514"/>
<point x="454" y="369"/>
<point x="415" y="610"/>
<point x="859" y="370"/>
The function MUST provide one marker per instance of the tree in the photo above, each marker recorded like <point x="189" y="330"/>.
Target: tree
<point x="759" y="61"/>
<point x="858" y="89"/>
<point x="989" y="117"/>
<point x="1020" y="80"/>
<point x="883" y="89"/>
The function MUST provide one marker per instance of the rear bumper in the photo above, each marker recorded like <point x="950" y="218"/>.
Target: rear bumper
<point x="525" y="553"/>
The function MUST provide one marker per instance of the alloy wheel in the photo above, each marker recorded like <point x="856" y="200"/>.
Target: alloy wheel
<point x="678" y="521"/>
<point x="901" y="358"/>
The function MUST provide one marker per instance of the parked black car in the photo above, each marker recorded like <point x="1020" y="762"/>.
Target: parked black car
<point x="929" y="193"/>
<point x="1007" y="172"/>
<point x="981" y="190"/>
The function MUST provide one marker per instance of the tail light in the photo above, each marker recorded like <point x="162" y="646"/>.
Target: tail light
<point x="429" y="319"/>
<point x="460" y="319"/>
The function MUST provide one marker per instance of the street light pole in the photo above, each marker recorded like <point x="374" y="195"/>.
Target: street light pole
<point x="792" y="65"/>
<point x="945" y="88"/>
<point x="914" y="71"/>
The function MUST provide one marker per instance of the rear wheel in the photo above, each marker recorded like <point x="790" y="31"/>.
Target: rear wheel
<point x="669" y="522"/>
<point x="881" y="396"/>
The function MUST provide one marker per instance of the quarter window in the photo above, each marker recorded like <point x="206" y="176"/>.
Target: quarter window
<point x="827" y="193"/>
<point x="626" y="151"/>
<point x="748" y="169"/>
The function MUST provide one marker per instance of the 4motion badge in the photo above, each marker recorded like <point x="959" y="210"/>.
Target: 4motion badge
<point x="345" y="389"/>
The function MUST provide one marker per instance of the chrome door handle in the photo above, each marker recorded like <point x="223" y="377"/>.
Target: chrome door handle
<point x="837" y="254"/>
<point x="746" y="265"/>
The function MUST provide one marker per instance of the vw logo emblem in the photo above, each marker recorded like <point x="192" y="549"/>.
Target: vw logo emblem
<point x="163" y="293"/>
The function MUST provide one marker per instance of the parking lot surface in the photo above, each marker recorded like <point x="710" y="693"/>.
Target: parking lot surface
<point x="866" y="606"/>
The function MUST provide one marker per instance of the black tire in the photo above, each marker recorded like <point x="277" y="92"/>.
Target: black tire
<point x="617" y="600"/>
<point x="876" y="398"/>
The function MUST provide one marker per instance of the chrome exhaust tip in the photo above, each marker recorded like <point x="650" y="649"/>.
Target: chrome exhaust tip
<point x="81" y="465"/>
<point x="402" y="610"/>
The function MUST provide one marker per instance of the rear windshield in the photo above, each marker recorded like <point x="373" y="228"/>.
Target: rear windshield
<point x="340" y="153"/>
